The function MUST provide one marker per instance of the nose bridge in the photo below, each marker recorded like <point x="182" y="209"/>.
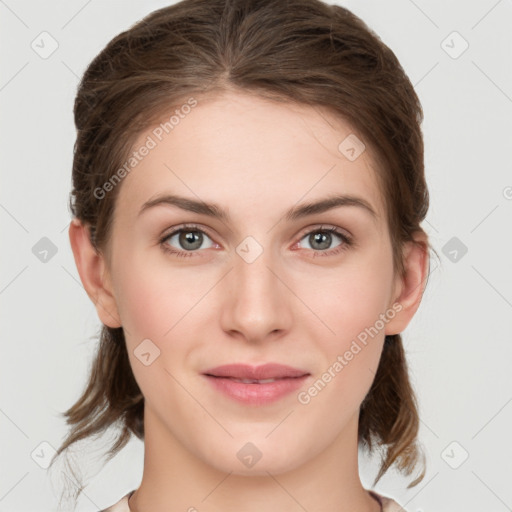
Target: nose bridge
<point x="257" y="305"/>
<point x="252" y="269"/>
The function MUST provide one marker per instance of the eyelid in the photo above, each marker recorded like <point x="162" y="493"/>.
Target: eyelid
<point x="323" y="226"/>
<point x="183" y="227"/>
<point x="304" y="231"/>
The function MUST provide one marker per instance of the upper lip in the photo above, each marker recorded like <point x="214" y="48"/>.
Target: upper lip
<point x="265" y="371"/>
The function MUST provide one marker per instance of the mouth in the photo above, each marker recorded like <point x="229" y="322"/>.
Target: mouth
<point x="256" y="385"/>
<point x="260" y="373"/>
<point x="252" y="381"/>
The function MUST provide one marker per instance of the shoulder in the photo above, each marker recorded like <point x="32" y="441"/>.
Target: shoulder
<point x="388" y="504"/>
<point x="121" y="505"/>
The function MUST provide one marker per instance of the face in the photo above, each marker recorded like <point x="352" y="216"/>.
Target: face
<point x="254" y="286"/>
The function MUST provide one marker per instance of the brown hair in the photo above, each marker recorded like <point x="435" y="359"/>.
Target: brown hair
<point x="302" y="51"/>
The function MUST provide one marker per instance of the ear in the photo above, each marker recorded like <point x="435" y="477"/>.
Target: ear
<point x="409" y="288"/>
<point x="93" y="274"/>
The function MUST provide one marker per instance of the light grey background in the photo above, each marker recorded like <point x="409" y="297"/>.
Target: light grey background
<point x="459" y="344"/>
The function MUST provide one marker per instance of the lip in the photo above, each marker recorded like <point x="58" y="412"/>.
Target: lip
<point x="287" y="380"/>
<point x="265" y="371"/>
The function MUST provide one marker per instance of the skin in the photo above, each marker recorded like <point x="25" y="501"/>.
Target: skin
<point x="291" y="305"/>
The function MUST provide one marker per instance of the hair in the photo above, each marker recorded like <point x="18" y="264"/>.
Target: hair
<point x="301" y="51"/>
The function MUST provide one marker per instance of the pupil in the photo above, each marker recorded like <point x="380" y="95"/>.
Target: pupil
<point x="322" y="237"/>
<point x="187" y="237"/>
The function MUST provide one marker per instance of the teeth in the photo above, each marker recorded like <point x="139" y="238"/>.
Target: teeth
<point x="252" y="381"/>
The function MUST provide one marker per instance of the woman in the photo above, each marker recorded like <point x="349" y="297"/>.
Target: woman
<point x="248" y="188"/>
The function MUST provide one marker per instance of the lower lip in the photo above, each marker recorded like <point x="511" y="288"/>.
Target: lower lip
<point x="256" y="394"/>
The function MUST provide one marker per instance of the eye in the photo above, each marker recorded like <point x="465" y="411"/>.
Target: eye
<point x="320" y="239"/>
<point x="188" y="238"/>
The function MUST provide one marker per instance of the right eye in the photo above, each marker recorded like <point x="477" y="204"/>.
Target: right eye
<point x="189" y="239"/>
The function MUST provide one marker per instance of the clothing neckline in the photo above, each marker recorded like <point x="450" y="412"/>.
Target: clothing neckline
<point x="373" y="494"/>
<point x="127" y="499"/>
<point x="377" y="498"/>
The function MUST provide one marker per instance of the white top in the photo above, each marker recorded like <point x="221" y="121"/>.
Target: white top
<point x="388" y="504"/>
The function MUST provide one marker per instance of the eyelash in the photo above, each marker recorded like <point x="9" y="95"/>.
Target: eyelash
<point x="347" y="240"/>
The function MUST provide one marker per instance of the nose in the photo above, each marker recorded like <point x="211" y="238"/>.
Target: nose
<point x="257" y="303"/>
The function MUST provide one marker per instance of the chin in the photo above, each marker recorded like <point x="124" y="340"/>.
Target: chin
<point x="256" y="458"/>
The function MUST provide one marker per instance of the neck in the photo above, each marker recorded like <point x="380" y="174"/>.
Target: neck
<point x="176" y="479"/>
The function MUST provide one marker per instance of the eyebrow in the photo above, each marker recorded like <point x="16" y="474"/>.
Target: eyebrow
<point x="295" y="213"/>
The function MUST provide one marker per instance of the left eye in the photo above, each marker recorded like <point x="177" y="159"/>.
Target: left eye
<point x="320" y="239"/>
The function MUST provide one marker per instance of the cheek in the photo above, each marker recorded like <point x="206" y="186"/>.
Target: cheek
<point x="349" y="300"/>
<point x="351" y="347"/>
<point x="349" y="303"/>
<point x="153" y="307"/>
<point x="150" y="298"/>
<point x="162" y="304"/>
<point x="143" y="306"/>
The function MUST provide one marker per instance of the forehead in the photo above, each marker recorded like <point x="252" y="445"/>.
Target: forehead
<point x="240" y="149"/>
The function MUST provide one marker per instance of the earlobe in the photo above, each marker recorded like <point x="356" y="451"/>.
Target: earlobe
<point x="411" y="285"/>
<point x="91" y="267"/>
